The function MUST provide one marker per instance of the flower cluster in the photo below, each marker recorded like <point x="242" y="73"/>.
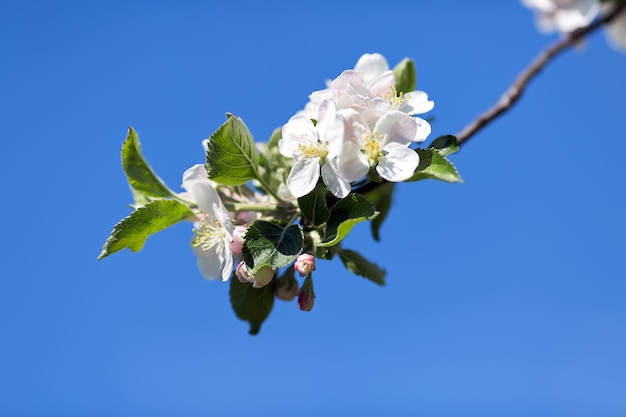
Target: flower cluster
<point x="568" y="15"/>
<point x="359" y="125"/>
<point x="263" y="212"/>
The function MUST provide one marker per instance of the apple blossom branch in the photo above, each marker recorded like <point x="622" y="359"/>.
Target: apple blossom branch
<point x="514" y="92"/>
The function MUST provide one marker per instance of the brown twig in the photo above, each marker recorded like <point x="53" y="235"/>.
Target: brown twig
<point x="514" y="92"/>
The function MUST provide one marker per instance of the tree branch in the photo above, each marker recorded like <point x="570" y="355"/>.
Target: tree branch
<point x="514" y="92"/>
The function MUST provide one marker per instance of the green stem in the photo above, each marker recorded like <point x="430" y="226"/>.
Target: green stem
<point x="266" y="187"/>
<point x="189" y="203"/>
<point x="252" y="207"/>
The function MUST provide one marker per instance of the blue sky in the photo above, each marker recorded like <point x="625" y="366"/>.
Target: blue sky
<point x="505" y="294"/>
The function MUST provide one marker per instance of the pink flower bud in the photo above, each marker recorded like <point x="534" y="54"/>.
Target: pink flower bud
<point x="242" y="273"/>
<point x="236" y="245"/>
<point x="305" y="264"/>
<point x="263" y="276"/>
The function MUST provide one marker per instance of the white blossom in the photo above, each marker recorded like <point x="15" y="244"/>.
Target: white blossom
<point x="314" y="147"/>
<point x="212" y="227"/>
<point x="386" y="146"/>
<point x="563" y="15"/>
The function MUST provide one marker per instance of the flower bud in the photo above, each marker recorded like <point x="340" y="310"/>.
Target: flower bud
<point x="305" y="264"/>
<point x="263" y="277"/>
<point x="236" y="245"/>
<point x="286" y="286"/>
<point x="242" y="273"/>
<point x="306" y="297"/>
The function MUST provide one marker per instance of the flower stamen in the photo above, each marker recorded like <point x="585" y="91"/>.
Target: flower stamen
<point x="395" y="98"/>
<point x="318" y="149"/>
<point x="373" y="145"/>
<point x="209" y="234"/>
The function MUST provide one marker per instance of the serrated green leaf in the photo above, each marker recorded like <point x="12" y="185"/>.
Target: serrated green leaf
<point x="406" y="78"/>
<point x="140" y="175"/>
<point x="267" y="244"/>
<point x="132" y="231"/>
<point x="356" y="263"/>
<point x="435" y="166"/>
<point x="251" y="304"/>
<point x="313" y="205"/>
<point x="381" y="197"/>
<point x="231" y="158"/>
<point x="446" y="145"/>
<point x="344" y="216"/>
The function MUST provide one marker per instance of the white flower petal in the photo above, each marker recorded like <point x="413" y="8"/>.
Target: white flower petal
<point x="398" y="165"/>
<point x="382" y="84"/>
<point x="298" y="130"/>
<point x="564" y="15"/>
<point x="210" y="204"/>
<point x="227" y="270"/>
<point x="336" y="184"/>
<point x="303" y="176"/>
<point x="328" y="125"/>
<point x="416" y="103"/>
<point x="194" y="174"/>
<point x="370" y="66"/>
<point x="351" y="162"/>
<point x="209" y="262"/>
<point x="423" y="129"/>
<point x="397" y="127"/>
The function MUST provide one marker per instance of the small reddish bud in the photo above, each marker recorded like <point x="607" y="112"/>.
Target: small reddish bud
<point x="306" y="301"/>
<point x="306" y="297"/>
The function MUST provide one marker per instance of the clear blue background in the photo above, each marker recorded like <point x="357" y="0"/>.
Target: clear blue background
<point x="505" y="294"/>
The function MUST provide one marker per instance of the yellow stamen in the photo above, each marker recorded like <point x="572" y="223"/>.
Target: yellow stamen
<point x="208" y="234"/>
<point x="373" y="145"/>
<point x="395" y="98"/>
<point x="312" y="149"/>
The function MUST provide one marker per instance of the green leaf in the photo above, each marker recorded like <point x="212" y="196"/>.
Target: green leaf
<point x="446" y="145"/>
<point x="357" y="264"/>
<point x="231" y="158"/>
<point x="251" y="304"/>
<point x="267" y="244"/>
<point x="435" y="166"/>
<point x="313" y="205"/>
<point x="344" y="215"/>
<point x="405" y="76"/>
<point x="139" y="174"/>
<point x="132" y="231"/>
<point x="381" y="198"/>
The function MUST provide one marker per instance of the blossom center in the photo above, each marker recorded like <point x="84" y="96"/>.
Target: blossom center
<point x="313" y="149"/>
<point x="395" y="98"/>
<point x="373" y="145"/>
<point x="209" y="234"/>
